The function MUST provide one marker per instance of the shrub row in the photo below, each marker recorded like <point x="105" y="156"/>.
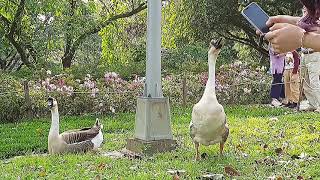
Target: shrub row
<point x="236" y="83"/>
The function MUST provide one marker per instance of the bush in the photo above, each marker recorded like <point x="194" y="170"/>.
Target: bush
<point x="12" y="99"/>
<point x="236" y="83"/>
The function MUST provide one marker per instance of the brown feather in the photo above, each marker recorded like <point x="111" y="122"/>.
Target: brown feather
<point x="75" y="136"/>
<point x="79" y="147"/>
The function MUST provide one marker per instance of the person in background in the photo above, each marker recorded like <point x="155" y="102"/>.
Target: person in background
<point x="277" y="65"/>
<point x="311" y="82"/>
<point x="291" y="79"/>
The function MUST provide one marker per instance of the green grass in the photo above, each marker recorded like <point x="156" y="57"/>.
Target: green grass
<point x="251" y="128"/>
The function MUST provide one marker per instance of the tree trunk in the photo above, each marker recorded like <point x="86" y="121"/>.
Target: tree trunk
<point x="72" y="44"/>
<point x="2" y="64"/>
<point x="67" y="60"/>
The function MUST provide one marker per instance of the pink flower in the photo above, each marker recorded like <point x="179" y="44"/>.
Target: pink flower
<point x="52" y="87"/>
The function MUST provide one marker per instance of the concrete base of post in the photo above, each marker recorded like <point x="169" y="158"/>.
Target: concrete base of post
<point x="150" y="147"/>
<point x="152" y="127"/>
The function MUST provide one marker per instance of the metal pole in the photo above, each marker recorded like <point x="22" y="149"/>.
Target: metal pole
<point x="153" y="125"/>
<point x="153" y="65"/>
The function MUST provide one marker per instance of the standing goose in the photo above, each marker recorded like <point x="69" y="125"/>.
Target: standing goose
<point x="208" y="125"/>
<point x="73" y="141"/>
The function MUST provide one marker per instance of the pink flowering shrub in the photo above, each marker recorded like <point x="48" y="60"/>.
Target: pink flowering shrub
<point x="236" y="83"/>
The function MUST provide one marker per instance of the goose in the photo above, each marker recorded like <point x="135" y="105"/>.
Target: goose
<point x="209" y="123"/>
<point x="74" y="141"/>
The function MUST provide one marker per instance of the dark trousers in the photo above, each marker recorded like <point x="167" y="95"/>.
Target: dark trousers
<point x="277" y="88"/>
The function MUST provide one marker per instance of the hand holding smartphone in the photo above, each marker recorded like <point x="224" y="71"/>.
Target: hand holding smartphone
<point x="257" y="17"/>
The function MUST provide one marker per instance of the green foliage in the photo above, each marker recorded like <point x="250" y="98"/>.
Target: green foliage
<point x="250" y="130"/>
<point x="49" y="31"/>
<point x="188" y="58"/>
<point x="223" y="18"/>
<point x="12" y="99"/>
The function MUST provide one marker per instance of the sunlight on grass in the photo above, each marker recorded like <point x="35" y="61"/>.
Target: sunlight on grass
<point x="251" y="148"/>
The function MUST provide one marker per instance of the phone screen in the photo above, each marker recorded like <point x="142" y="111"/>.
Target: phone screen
<point x="256" y="16"/>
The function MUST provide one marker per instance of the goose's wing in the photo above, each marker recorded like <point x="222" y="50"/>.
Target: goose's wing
<point x="84" y="134"/>
<point x="76" y="136"/>
<point x="79" y="147"/>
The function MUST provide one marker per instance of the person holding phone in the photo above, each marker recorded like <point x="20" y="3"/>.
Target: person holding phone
<point x="288" y="33"/>
<point x="305" y="28"/>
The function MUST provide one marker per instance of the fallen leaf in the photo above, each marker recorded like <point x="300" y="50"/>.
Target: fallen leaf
<point x="265" y="146"/>
<point x="285" y="145"/>
<point x="272" y="177"/>
<point x="213" y="176"/>
<point x="131" y="155"/>
<point x="266" y="161"/>
<point x="281" y="135"/>
<point x="6" y="161"/>
<point x="39" y="131"/>
<point x="114" y="154"/>
<point x="239" y="147"/>
<point x="303" y="156"/>
<point x="300" y="178"/>
<point x="204" y="156"/>
<point x="279" y="178"/>
<point x="98" y="177"/>
<point x="231" y="171"/>
<point x="311" y="129"/>
<point x="274" y="119"/>
<point x="244" y="155"/>
<point x="176" y="173"/>
<point x="295" y="157"/>
<point x="179" y="172"/>
<point x="176" y="177"/>
<point x="101" y="166"/>
<point x="133" y="168"/>
<point x="42" y="174"/>
<point x="279" y="151"/>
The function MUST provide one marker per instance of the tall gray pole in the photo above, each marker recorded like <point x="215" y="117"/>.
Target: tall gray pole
<point x="153" y="125"/>
<point x="153" y="73"/>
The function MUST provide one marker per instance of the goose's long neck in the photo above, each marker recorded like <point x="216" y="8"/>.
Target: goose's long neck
<point x="211" y="83"/>
<point x="54" y="130"/>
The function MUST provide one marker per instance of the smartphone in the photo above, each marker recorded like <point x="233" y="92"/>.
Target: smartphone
<point x="256" y="16"/>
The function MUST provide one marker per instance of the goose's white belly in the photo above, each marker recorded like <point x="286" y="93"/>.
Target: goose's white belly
<point x="208" y="121"/>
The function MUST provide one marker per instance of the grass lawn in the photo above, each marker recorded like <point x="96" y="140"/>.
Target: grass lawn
<point x="251" y="148"/>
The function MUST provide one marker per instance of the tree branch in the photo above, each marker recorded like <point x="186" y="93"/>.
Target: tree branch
<point x="13" y="29"/>
<point x="5" y="20"/>
<point x="248" y="43"/>
<point x="32" y="52"/>
<point x="21" y="51"/>
<point x="96" y="29"/>
<point x="17" y="18"/>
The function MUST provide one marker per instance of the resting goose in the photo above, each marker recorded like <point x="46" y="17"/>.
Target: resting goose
<point x="208" y="125"/>
<point x="73" y="141"/>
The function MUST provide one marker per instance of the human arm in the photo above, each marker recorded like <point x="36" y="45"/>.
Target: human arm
<point x="285" y="37"/>
<point x="312" y="40"/>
